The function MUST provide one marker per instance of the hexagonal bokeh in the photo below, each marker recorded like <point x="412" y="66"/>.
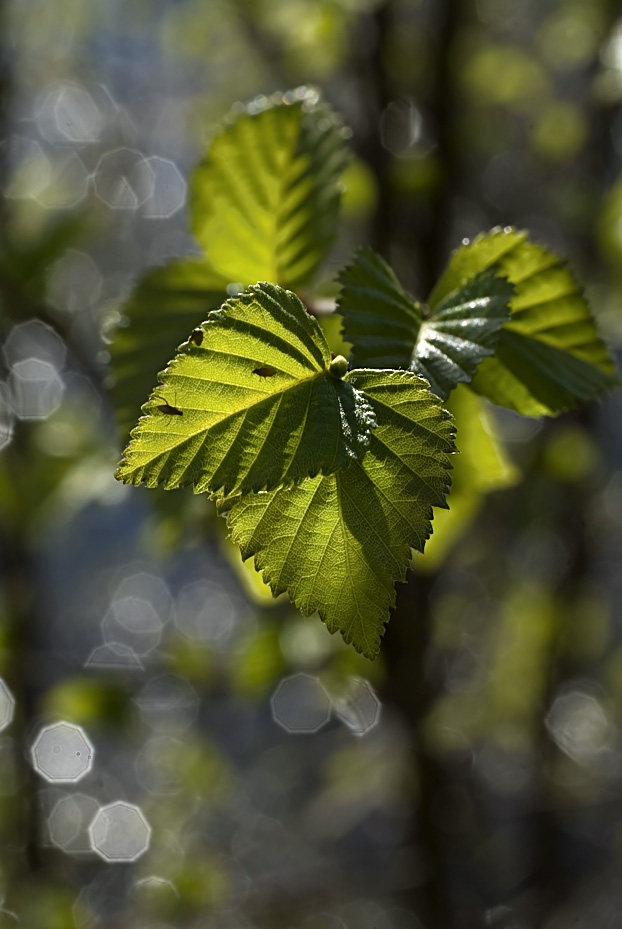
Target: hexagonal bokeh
<point x="300" y="704"/>
<point x="30" y="169"/>
<point x="206" y="611"/>
<point x="68" y="113"/>
<point x="7" y="705"/>
<point x="124" y="179"/>
<point x="579" y="725"/>
<point x="140" y="607"/>
<point x="69" y="821"/>
<point x="168" y="703"/>
<point x="157" y="765"/>
<point x="133" y="621"/>
<point x="358" y="707"/>
<point x="68" y="184"/>
<point x="34" y="339"/>
<point x="62" y="752"/>
<point x="169" y="189"/>
<point x="114" y="655"/>
<point x="36" y="388"/>
<point x="76" y="115"/>
<point x="74" y="282"/>
<point x="155" y="890"/>
<point x="120" y="832"/>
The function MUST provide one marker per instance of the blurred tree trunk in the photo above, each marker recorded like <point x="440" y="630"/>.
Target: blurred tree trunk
<point x="18" y="575"/>
<point x="409" y="685"/>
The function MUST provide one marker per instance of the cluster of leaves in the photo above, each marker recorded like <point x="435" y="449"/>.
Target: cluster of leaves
<point x="328" y="475"/>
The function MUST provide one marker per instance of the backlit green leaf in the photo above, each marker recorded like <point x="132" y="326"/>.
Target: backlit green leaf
<point x="549" y="356"/>
<point x="338" y="543"/>
<point x="388" y="329"/>
<point x="481" y="467"/>
<point x="251" y="401"/>
<point x="265" y="199"/>
<point x="167" y="303"/>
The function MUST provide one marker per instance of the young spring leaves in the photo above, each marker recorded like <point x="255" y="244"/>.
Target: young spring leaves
<point x="329" y="478"/>
<point x="264" y="204"/>
<point x="549" y="356"/>
<point x="265" y="199"/>
<point x="337" y="544"/>
<point x="252" y="399"/>
<point x="501" y="295"/>
<point x="254" y="402"/>
<point x="388" y="329"/>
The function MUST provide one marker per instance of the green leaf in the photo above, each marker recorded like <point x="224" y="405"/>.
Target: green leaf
<point x="388" y="329"/>
<point x="166" y="304"/>
<point x="265" y="199"/>
<point x="379" y="319"/>
<point x="338" y="543"/>
<point x="251" y="401"/>
<point x="549" y="356"/>
<point x="462" y="330"/>
<point x="481" y="467"/>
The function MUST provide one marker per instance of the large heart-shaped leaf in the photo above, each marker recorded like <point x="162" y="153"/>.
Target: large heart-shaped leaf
<point x="166" y="304"/>
<point x="265" y="199"/>
<point x="338" y="543"/>
<point x="251" y="401"/>
<point x="388" y="329"/>
<point x="549" y="356"/>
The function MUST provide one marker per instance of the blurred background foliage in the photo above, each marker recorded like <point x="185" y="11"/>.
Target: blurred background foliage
<point x="471" y="777"/>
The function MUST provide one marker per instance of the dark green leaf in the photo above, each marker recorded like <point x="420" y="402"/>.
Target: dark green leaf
<point x="166" y="304"/>
<point x="387" y="329"/>
<point x="379" y="319"/>
<point x="461" y="331"/>
<point x="549" y="356"/>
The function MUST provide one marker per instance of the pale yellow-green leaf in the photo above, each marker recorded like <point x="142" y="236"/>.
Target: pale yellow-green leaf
<point x="481" y="466"/>
<point x="252" y="400"/>
<point x="265" y="199"/>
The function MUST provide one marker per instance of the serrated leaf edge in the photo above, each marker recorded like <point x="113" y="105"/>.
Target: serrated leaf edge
<point x="277" y="589"/>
